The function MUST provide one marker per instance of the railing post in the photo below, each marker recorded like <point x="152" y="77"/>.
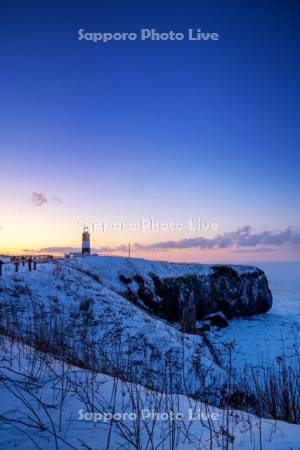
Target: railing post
<point x="29" y="264"/>
<point x="34" y="264"/>
<point x="1" y="264"/>
<point x="17" y="266"/>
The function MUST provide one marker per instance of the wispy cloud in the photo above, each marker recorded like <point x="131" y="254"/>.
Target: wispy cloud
<point x="61" y="250"/>
<point x="56" y="199"/>
<point x="64" y="250"/>
<point x="107" y="249"/>
<point x="241" y="238"/>
<point x="38" y="199"/>
<point x="256" y="250"/>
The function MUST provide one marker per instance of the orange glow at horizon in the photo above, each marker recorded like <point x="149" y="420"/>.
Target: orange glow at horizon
<point x="33" y="229"/>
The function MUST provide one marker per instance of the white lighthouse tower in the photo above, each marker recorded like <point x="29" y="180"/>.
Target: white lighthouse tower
<point x="86" y="246"/>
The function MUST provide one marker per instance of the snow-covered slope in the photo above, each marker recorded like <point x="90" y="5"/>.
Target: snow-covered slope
<point x="47" y="404"/>
<point x="108" y="314"/>
<point x="80" y="311"/>
<point x="74" y="311"/>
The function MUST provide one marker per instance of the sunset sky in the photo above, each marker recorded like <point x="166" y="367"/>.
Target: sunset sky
<point x="118" y="132"/>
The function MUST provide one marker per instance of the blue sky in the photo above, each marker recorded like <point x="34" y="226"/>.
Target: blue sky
<point x="125" y="130"/>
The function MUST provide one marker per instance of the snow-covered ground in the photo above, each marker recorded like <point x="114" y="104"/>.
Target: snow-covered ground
<point x="110" y="267"/>
<point x="5" y="259"/>
<point x="47" y="404"/>
<point x="9" y="268"/>
<point x="74" y="308"/>
<point x="101" y="325"/>
<point x="97" y="278"/>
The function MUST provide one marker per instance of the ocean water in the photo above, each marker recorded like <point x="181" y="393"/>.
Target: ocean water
<point x="267" y="336"/>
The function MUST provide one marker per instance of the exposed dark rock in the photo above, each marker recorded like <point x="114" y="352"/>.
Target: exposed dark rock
<point x="203" y="326"/>
<point x="147" y="297"/>
<point x="138" y="279"/>
<point x="232" y="291"/>
<point x="125" y="280"/>
<point x="217" y="319"/>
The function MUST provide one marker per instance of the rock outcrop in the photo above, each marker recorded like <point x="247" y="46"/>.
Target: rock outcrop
<point x="234" y="291"/>
<point x="217" y="319"/>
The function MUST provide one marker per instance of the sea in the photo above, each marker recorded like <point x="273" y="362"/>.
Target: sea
<point x="275" y="334"/>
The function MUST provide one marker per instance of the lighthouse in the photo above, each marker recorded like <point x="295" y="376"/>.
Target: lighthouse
<point x="86" y="246"/>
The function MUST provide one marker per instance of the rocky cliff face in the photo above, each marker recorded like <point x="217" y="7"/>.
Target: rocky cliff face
<point x="191" y="297"/>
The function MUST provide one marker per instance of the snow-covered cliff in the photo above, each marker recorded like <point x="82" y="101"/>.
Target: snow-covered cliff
<point x="125" y="316"/>
<point x="184" y="293"/>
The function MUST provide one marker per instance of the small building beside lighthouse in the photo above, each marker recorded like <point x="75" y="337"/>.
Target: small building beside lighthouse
<point x="86" y="245"/>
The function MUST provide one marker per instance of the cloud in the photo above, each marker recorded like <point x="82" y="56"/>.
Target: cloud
<point x="38" y="199"/>
<point x="107" y="249"/>
<point x="56" y="199"/>
<point x="255" y="250"/>
<point x="61" y="250"/>
<point x="241" y="238"/>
